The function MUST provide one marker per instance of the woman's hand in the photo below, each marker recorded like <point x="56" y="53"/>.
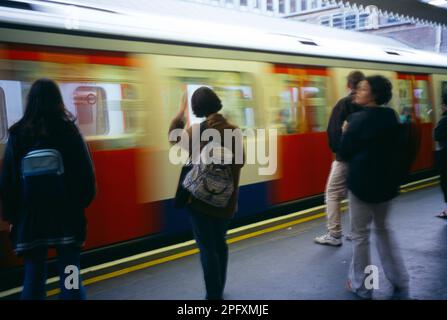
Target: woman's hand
<point x="183" y="106"/>
<point x="184" y="102"/>
<point x="345" y="126"/>
<point x="180" y="116"/>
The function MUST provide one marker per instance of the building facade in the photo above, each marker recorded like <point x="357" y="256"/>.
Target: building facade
<point x="279" y="8"/>
<point x="339" y="14"/>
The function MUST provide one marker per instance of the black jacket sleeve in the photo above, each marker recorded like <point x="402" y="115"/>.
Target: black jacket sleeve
<point x="441" y="130"/>
<point x="335" y="124"/>
<point x="10" y="183"/>
<point x="351" y="141"/>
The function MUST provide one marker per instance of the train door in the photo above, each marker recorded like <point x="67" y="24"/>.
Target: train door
<point x="301" y="113"/>
<point x="302" y="103"/>
<point x="414" y="102"/>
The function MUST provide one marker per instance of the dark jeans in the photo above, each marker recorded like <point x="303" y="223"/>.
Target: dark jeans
<point x="36" y="273"/>
<point x="209" y="233"/>
<point x="441" y="165"/>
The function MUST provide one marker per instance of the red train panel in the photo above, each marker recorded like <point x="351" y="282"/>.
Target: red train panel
<point x="304" y="163"/>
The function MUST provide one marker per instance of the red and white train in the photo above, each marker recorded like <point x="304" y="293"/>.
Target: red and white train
<point x="122" y="73"/>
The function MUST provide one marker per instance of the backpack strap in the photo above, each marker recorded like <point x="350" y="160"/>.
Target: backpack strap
<point x="203" y="126"/>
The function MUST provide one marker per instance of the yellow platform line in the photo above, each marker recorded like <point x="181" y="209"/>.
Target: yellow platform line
<point x="420" y="187"/>
<point x="187" y="253"/>
<point x="229" y="241"/>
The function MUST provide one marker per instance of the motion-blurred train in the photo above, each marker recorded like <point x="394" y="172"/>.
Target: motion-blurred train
<point x="123" y="71"/>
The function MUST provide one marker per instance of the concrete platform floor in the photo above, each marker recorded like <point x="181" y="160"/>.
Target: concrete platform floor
<point x="287" y="265"/>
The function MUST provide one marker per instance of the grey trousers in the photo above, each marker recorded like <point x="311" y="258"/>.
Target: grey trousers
<point x="362" y="216"/>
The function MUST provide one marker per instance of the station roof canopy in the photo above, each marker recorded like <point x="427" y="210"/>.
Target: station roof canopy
<point x="419" y="11"/>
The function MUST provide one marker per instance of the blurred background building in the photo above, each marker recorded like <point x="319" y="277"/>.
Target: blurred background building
<point x="420" y="34"/>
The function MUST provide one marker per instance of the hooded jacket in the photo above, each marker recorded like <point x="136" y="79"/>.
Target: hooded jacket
<point x="30" y="228"/>
<point x="372" y="148"/>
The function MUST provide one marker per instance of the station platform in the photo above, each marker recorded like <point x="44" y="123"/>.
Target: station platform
<point x="284" y="263"/>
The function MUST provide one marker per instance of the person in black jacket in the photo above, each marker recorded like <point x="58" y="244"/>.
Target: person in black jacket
<point x="371" y="144"/>
<point x="47" y="124"/>
<point x="441" y="151"/>
<point x="336" y="184"/>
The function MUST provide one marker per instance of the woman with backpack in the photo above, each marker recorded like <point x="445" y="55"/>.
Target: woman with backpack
<point x="371" y="143"/>
<point x="46" y="183"/>
<point x="210" y="218"/>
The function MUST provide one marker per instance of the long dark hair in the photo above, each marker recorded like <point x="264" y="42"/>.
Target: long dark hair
<point x="45" y="113"/>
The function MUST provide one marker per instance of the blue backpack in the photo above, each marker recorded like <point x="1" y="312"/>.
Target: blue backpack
<point x="43" y="184"/>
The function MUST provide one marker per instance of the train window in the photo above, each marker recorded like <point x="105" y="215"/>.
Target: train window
<point x="132" y="109"/>
<point x="285" y="107"/>
<point x="314" y="104"/>
<point x="422" y="102"/>
<point x="233" y="88"/>
<point x="111" y="109"/>
<point x="405" y="101"/>
<point x="3" y="119"/>
<point x="413" y="100"/>
<point x="91" y="110"/>
<point x="301" y="106"/>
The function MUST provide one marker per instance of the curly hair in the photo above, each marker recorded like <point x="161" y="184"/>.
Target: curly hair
<point x="381" y="89"/>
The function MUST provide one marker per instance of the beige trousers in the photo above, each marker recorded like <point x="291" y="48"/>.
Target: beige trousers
<point x="336" y="191"/>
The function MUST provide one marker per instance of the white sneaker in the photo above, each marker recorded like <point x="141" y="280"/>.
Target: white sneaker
<point x="329" y="240"/>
